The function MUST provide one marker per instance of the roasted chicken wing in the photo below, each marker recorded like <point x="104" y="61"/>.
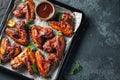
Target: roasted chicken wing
<point x="19" y="34"/>
<point x="40" y="34"/>
<point x="20" y="11"/>
<point x="25" y="10"/>
<point x="30" y="60"/>
<point x="26" y="57"/>
<point x="30" y="10"/>
<point x="67" y="17"/>
<point x="55" y="45"/>
<point x="65" y="25"/>
<point x="6" y="51"/>
<point x="19" y="61"/>
<point x="44" y="65"/>
<point x="52" y="59"/>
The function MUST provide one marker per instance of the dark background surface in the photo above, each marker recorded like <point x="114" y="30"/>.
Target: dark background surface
<point x="98" y="49"/>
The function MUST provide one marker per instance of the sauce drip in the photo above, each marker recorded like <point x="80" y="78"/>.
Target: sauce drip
<point x="44" y="10"/>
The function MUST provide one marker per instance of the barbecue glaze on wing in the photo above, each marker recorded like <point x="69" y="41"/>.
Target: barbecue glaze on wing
<point x="40" y="34"/>
<point x="65" y="25"/>
<point x="6" y="51"/>
<point x="26" y="57"/>
<point x="55" y="45"/>
<point x="26" y="9"/>
<point x="44" y="65"/>
<point x="19" y="34"/>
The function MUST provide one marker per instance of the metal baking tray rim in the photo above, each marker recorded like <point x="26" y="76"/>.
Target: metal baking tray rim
<point x="75" y="37"/>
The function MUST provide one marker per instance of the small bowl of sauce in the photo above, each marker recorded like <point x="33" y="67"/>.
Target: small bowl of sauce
<point x="45" y="10"/>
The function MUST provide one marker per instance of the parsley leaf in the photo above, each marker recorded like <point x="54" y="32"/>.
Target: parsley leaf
<point x="76" y="69"/>
<point x="23" y="1"/>
<point x="31" y="46"/>
<point x="29" y="24"/>
<point x="0" y="61"/>
<point x="59" y="33"/>
<point x="34" y="67"/>
<point x="59" y="15"/>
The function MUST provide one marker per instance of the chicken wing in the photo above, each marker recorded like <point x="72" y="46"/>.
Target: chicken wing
<point x="19" y="34"/>
<point x="25" y="10"/>
<point x="65" y="25"/>
<point x="26" y="57"/>
<point x="55" y="45"/>
<point x="6" y="51"/>
<point x="18" y="61"/>
<point x="30" y="10"/>
<point x="40" y="34"/>
<point x="67" y="17"/>
<point x="44" y="65"/>
<point x="29" y="60"/>
<point x="20" y="11"/>
<point x="52" y="59"/>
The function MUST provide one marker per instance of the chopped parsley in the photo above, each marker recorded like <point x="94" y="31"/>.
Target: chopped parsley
<point x="23" y="1"/>
<point x="59" y="33"/>
<point x="59" y="14"/>
<point x="34" y="68"/>
<point x="29" y="24"/>
<point x="0" y="61"/>
<point x="76" y="69"/>
<point x="31" y="46"/>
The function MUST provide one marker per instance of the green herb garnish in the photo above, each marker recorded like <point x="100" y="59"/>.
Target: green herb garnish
<point x="31" y="46"/>
<point x="29" y="24"/>
<point x="76" y="69"/>
<point x="0" y="61"/>
<point x="59" y="33"/>
<point x="59" y="15"/>
<point x="23" y="1"/>
<point x="34" y="68"/>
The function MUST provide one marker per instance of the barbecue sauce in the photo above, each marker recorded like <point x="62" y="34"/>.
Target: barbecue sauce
<point x="44" y="10"/>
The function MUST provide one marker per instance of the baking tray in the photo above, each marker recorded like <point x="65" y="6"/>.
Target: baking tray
<point x="68" y="51"/>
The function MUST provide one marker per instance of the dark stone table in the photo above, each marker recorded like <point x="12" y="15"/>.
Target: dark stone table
<point x="98" y="48"/>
